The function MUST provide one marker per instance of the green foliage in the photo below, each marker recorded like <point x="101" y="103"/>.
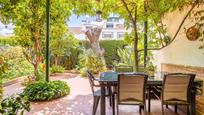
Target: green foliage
<point x="43" y="91"/>
<point x="126" y="55"/>
<point x="57" y="69"/>
<point x="3" y="68"/>
<point x="110" y="47"/>
<point x="125" y="63"/>
<point x="8" y="41"/>
<point x="123" y="68"/>
<point x="64" y="51"/>
<point x="29" y="18"/>
<point x="89" y="61"/>
<point x="198" y="16"/>
<point x="158" y="8"/>
<point x="83" y="72"/>
<point x="14" y="105"/>
<point x="40" y="76"/>
<point x="17" y="65"/>
<point x="28" y="80"/>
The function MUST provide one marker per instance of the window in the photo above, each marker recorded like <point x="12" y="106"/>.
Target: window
<point x="120" y="34"/>
<point x="110" y="20"/>
<point x="109" y="25"/>
<point x="116" y="19"/>
<point x="107" y="35"/>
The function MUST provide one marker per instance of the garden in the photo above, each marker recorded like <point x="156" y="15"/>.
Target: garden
<point x="43" y="52"/>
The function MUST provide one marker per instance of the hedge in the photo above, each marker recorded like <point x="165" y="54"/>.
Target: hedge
<point x="109" y="46"/>
<point x="8" y="41"/>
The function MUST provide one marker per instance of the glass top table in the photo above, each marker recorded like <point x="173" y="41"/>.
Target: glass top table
<point x="112" y="77"/>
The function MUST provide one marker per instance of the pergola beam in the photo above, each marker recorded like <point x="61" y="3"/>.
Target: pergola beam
<point x="145" y="35"/>
<point x="47" y="39"/>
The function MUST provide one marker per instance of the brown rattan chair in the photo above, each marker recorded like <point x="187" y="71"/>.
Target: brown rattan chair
<point x="95" y="88"/>
<point x="131" y="90"/>
<point x="176" y="90"/>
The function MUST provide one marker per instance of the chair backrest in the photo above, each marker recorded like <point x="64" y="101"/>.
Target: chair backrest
<point x="131" y="87"/>
<point x="91" y="80"/>
<point x="177" y="86"/>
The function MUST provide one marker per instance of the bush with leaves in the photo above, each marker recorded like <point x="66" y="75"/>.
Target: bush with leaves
<point x="17" y="64"/>
<point x="3" y="67"/>
<point x="14" y="105"/>
<point x="8" y="41"/>
<point x="110" y="47"/>
<point x="57" y="69"/>
<point x="64" y="51"/>
<point x="89" y="61"/>
<point x="43" y="91"/>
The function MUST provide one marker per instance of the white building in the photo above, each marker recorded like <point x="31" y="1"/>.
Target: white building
<point x="112" y="28"/>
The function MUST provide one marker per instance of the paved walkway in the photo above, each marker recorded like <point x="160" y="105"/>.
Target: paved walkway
<point x="79" y="102"/>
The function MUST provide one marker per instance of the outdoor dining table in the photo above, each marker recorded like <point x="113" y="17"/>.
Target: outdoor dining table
<point x="156" y="80"/>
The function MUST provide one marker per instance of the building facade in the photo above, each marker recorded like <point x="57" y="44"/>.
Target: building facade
<point x="112" y="28"/>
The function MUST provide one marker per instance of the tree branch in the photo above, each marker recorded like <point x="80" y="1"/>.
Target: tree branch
<point x="179" y="28"/>
<point x="193" y="6"/>
<point x="128" y="10"/>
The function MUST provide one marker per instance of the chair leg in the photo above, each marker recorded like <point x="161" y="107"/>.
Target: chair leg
<point x="95" y="104"/>
<point x="140" y="109"/>
<point x="113" y="104"/>
<point x="167" y="106"/>
<point x="117" y="109"/>
<point x="162" y="109"/>
<point x="188" y="112"/>
<point x="110" y="93"/>
<point x="145" y="110"/>
<point x="176" y="107"/>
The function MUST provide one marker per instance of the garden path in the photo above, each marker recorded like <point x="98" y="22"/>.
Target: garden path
<point x="79" y="102"/>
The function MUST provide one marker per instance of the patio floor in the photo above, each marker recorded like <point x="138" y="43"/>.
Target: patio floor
<point x="79" y="102"/>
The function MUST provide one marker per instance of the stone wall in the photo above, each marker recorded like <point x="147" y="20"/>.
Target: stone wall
<point x="199" y="71"/>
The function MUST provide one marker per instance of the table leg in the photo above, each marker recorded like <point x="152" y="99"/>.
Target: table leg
<point x="149" y="99"/>
<point x="193" y="104"/>
<point x="103" y="101"/>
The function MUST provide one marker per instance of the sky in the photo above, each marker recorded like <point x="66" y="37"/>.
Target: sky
<point x="74" y="21"/>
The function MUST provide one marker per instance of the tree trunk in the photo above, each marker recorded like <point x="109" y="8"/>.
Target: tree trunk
<point x="134" y="21"/>
<point x="136" y="49"/>
<point x="56" y="60"/>
<point x="37" y="54"/>
<point x="93" y="36"/>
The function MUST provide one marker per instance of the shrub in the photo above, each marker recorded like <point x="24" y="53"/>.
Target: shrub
<point x="17" y="64"/>
<point x="89" y="61"/>
<point x="42" y="91"/>
<point x="110" y="47"/>
<point x="3" y="68"/>
<point x="57" y="69"/>
<point x="65" y="51"/>
<point x="83" y="72"/>
<point x="28" y="80"/>
<point x="14" y="105"/>
<point x="8" y="41"/>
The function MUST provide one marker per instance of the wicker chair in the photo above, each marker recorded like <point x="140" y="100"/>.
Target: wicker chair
<point x="131" y="90"/>
<point x="95" y="88"/>
<point x="176" y="90"/>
